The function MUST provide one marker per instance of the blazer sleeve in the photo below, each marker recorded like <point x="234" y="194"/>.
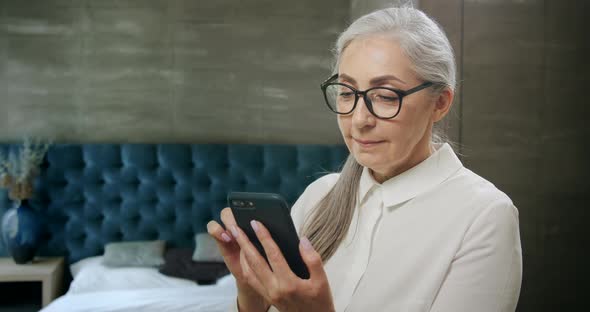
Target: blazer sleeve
<point x="486" y="272"/>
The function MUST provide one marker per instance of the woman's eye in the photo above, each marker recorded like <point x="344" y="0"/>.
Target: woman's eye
<point x="388" y="98"/>
<point x="384" y="96"/>
<point x="346" y="94"/>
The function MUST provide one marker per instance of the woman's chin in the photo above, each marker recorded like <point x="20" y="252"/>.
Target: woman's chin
<point x="366" y="159"/>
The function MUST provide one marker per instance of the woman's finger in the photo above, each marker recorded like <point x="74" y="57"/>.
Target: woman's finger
<point x="273" y="253"/>
<point x="312" y="259"/>
<point x="227" y="217"/>
<point x="216" y="230"/>
<point x="256" y="262"/>
<point x="251" y="278"/>
<point x="229" y="249"/>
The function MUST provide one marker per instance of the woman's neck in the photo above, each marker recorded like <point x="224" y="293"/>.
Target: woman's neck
<point x="414" y="159"/>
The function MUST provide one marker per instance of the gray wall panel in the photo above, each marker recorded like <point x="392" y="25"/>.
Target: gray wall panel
<point x="168" y="71"/>
<point x="523" y="129"/>
<point x="449" y="15"/>
<point x="503" y="70"/>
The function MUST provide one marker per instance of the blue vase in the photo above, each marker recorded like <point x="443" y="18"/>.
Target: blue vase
<point x="21" y="232"/>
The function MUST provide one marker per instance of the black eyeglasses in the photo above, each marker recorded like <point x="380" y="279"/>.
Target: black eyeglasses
<point x="382" y="102"/>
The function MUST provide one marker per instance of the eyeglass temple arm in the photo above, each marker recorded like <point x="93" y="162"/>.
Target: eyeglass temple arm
<point x="329" y="79"/>
<point x="418" y="88"/>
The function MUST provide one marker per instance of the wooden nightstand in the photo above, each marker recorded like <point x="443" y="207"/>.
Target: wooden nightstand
<point x="48" y="271"/>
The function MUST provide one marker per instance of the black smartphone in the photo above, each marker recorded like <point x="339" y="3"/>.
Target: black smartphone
<point x="273" y="212"/>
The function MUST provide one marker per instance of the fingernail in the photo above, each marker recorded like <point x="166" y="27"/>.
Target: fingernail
<point x="306" y="244"/>
<point x="234" y="231"/>
<point x="225" y="237"/>
<point x="254" y="225"/>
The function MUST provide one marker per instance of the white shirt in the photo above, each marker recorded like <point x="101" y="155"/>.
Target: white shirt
<point x="435" y="238"/>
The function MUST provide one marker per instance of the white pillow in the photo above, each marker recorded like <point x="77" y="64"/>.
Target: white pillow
<point x="91" y="275"/>
<point x="77" y="266"/>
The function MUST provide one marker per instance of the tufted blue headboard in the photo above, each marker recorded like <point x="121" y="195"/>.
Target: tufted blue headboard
<point x="92" y="194"/>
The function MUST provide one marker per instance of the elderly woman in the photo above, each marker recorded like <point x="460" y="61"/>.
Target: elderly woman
<point x="404" y="226"/>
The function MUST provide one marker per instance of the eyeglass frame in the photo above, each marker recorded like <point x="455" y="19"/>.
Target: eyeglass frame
<point x="357" y="93"/>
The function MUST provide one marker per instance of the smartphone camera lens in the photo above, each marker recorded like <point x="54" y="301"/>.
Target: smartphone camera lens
<point x="250" y="204"/>
<point x="237" y="203"/>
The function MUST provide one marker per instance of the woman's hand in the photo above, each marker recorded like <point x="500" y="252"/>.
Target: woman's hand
<point x="248" y="297"/>
<point x="277" y="283"/>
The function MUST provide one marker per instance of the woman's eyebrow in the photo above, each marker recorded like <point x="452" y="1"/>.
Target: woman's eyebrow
<point x="384" y="78"/>
<point x="374" y="81"/>
<point x="346" y="77"/>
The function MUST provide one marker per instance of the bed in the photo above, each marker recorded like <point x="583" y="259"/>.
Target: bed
<point x="96" y="287"/>
<point x="90" y="195"/>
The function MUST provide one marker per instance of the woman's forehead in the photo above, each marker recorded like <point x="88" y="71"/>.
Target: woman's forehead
<point x="376" y="56"/>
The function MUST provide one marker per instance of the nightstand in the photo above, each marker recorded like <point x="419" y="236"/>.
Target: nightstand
<point x="48" y="271"/>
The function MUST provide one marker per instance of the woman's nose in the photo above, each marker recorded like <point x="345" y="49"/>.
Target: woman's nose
<point x="361" y="116"/>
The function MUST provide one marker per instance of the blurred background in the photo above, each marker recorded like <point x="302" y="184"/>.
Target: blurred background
<point x="229" y="71"/>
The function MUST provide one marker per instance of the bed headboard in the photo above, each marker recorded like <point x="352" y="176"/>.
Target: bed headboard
<point x="92" y="194"/>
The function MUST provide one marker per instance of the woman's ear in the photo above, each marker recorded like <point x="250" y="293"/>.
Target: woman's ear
<point x="442" y="104"/>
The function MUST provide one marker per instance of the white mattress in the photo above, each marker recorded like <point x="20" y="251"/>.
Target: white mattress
<point x="99" y="288"/>
<point x="197" y="298"/>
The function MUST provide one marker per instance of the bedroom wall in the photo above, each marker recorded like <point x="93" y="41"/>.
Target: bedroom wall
<point x="522" y="125"/>
<point x="168" y="71"/>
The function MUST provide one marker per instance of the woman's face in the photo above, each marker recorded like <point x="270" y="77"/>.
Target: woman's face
<point x="387" y="147"/>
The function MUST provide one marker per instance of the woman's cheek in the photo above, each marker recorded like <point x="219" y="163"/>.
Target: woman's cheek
<point x="344" y="126"/>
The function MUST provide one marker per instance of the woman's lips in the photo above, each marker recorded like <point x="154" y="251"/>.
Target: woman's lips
<point x="366" y="143"/>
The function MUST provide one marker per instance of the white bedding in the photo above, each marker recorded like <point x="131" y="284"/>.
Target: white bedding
<point x="99" y="288"/>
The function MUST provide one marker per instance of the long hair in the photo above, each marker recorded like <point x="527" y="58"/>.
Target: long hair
<point x="426" y="45"/>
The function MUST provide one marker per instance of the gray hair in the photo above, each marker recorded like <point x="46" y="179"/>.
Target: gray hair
<point x="426" y="45"/>
<point x="421" y="38"/>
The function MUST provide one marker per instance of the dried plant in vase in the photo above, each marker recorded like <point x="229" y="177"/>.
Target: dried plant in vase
<point x="21" y="226"/>
<point x="18" y="171"/>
